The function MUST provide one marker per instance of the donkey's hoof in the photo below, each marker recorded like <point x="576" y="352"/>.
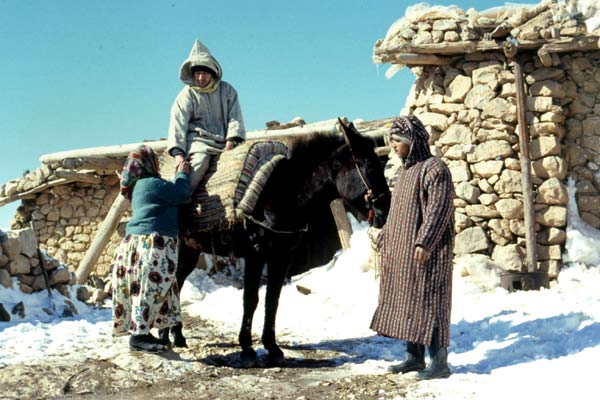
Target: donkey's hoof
<point x="275" y="358"/>
<point x="179" y="341"/>
<point x="248" y="358"/>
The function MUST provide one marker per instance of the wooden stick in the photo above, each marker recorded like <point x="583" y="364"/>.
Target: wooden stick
<point x="87" y="177"/>
<point x="412" y="59"/>
<point x="382" y="55"/>
<point x="343" y="223"/>
<point x="530" y="238"/>
<point x="118" y="208"/>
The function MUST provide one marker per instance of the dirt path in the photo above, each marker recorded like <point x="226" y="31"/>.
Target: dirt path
<point x="207" y="369"/>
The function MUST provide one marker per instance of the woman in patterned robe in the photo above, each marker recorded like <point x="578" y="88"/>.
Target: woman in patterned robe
<point x="145" y="292"/>
<point x="415" y="291"/>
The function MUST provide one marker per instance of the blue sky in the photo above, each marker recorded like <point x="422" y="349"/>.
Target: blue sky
<point x="78" y="74"/>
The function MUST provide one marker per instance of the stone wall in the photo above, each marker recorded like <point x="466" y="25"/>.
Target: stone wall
<point x="470" y="110"/>
<point x="19" y="258"/>
<point x="66" y="218"/>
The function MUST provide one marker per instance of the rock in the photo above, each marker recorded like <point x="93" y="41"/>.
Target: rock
<point x="552" y="252"/>
<point x="487" y="76"/>
<point x="485" y="169"/>
<point x="459" y="170"/>
<point x="545" y="146"/>
<point x="517" y="227"/>
<point x="39" y="283"/>
<point x="575" y="155"/>
<point x="12" y="247"/>
<point x="487" y="199"/>
<point x="552" y="192"/>
<point x="5" y="279"/>
<point x="19" y="309"/>
<point x="61" y="275"/>
<point x="500" y="108"/>
<point x="552" y="236"/>
<point x="25" y="288"/>
<point x="509" y="257"/>
<point x="479" y="96"/>
<point x="83" y="294"/>
<point x="550" y="167"/>
<point x="467" y="192"/>
<point x="588" y="203"/>
<point x="19" y="265"/>
<point x="4" y="315"/>
<point x="591" y="219"/>
<point x="544" y="74"/>
<point x="546" y="129"/>
<point x="490" y="150"/>
<point x="481" y="211"/>
<point x="461" y="221"/>
<point x="509" y="182"/>
<point x="456" y="134"/>
<point x="554" y="216"/>
<point x="509" y="208"/>
<point x="540" y="104"/>
<point x="548" y="88"/>
<point x="434" y="120"/>
<point x="471" y="240"/>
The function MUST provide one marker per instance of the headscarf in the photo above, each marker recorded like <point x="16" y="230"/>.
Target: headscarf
<point x="410" y="128"/>
<point x="141" y="162"/>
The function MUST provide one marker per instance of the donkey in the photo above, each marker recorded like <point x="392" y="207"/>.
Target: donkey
<point x="291" y="228"/>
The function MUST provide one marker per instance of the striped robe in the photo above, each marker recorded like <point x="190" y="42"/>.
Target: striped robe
<point x="412" y="296"/>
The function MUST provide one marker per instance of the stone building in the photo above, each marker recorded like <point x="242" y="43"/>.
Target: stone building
<point x="466" y="93"/>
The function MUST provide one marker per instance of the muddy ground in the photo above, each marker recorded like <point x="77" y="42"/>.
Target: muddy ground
<point x="208" y="369"/>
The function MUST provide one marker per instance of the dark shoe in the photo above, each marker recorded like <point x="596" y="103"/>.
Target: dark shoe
<point x="414" y="362"/>
<point x="146" y="343"/>
<point x="439" y="366"/>
<point x="439" y="359"/>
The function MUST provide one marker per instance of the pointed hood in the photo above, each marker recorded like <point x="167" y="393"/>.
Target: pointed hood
<point x="411" y="128"/>
<point x="200" y="55"/>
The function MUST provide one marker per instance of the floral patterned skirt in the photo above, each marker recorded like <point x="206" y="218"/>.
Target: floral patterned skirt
<point x="145" y="292"/>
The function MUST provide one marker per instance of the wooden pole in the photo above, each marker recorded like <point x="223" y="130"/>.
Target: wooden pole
<point x="530" y="239"/>
<point x="118" y="208"/>
<point x="343" y="223"/>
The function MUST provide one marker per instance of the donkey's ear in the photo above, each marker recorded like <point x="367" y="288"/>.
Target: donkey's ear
<point x="349" y="131"/>
<point x="352" y="136"/>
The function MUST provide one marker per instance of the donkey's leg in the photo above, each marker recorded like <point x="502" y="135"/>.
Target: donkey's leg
<point x="252" y="274"/>
<point x="187" y="260"/>
<point x="276" y="273"/>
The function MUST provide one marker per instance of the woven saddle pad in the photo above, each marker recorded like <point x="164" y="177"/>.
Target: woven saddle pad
<point x="231" y="186"/>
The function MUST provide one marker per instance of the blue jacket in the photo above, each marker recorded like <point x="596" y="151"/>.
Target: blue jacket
<point x="154" y="203"/>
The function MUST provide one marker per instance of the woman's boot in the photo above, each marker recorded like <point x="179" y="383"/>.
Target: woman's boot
<point x="438" y="367"/>
<point x="414" y="362"/>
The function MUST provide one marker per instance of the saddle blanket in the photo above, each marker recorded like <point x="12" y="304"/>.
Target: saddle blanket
<point x="231" y="186"/>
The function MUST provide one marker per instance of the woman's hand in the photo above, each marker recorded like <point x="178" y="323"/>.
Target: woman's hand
<point x="422" y="254"/>
<point x="179" y="158"/>
<point x="184" y="167"/>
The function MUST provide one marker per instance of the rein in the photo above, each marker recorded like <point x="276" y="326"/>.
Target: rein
<point x="263" y="225"/>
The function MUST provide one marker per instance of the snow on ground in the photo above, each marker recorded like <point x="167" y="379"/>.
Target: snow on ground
<point x="517" y="345"/>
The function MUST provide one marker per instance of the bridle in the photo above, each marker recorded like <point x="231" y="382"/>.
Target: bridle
<point x="371" y="201"/>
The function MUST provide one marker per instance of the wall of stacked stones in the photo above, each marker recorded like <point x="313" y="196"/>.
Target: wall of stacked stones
<point x="470" y="110"/>
<point x="67" y="217"/>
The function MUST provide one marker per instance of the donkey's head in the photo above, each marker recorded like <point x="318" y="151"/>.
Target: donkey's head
<point x="359" y="179"/>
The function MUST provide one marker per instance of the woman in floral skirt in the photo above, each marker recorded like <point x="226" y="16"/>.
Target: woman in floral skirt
<point x="145" y="293"/>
